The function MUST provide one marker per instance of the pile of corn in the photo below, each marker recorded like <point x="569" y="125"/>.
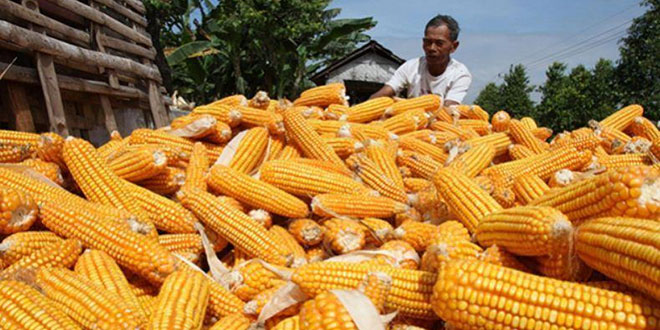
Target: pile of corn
<point x="312" y="214"/>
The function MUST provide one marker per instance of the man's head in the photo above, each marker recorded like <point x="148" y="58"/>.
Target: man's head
<point x="440" y="38"/>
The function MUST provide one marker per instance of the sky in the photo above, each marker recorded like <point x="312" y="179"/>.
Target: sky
<point x="498" y="33"/>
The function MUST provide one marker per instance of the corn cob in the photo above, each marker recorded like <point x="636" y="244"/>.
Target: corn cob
<point x="160" y="138"/>
<point x="500" y="141"/>
<point x="250" y="151"/>
<point x="526" y="230"/>
<point x="465" y="199"/>
<point x="443" y="114"/>
<point x="138" y="165"/>
<point x="343" y="235"/>
<point x="435" y="138"/>
<point x="181" y="302"/>
<point x="17" y="211"/>
<point x="221" y="112"/>
<point x="423" y="148"/>
<point x="28" y="142"/>
<point x="377" y="231"/>
<point x="110" y="149"/>
<point x="286" y="239"/>
<point x="519" y="151"/>
<point x="139" y="254"/>
<point x="417" y="234"/>
<point x="323" y="96"/>
<point x="409" y="295"/>
<point x="504" y="288"/>
<point x="480" y="126"/>
<point x="542" y="133"/>
<point x="644" y="128"/>
<point x="100" y="269"/>
<point x="250" y="278"/>
<point x="384" y="154"/>
<point x="13" y="154"/>
<point x="254" y="192"/>
<point x="174" y="242"/>
<point x="309" y="142"/>
<point x="500" y="121"/>
<point x="262" y="217"/>
<point x="302" y="179"/>
<point x="95" y="178"/>
<point x="197" y="168"/>
<point x="89" y="305"/>
<point x="524" y="136"/>
<point x="608" y="133"/>
<point x="49" y="148"/>
<point x="335" y="111"/>
<point x="48" y="169"/>
<point x="167" y="182"/>
<point x="372" y="176"/>
<point x="334" y="127"/>
<point x="192" y="126"/>
<point x="337" y="204"/>
<point x="405" y="122"/>
<point x="307" y="232"/>
<point x="622" y="118"/>
<point x="275" y="146"/>
<point x="252" y="117"/>
<point x="497" y="256"/>
<point x="231" y="100"/>
<point x="22" y="244"/>
<point x="368" y="111"/>
<point x="476" y="112"/>
<point x="147" y="304"/>
<point x="428" y="102"/>
<point x="25" y="308"/>
<point x="329" y="167"/>
<point x="59" y="254"/>
<point x="422" y="166"/>
<point x="413" y="185"/>
<point x="562" y="266"/>
<point x="474" y="160"/>
<point x="630" y="191"/>
<point x="235" y="321"/>
<point x="234" y="226"/>
<point x="289" y="323"/>
<point x="611" y="162"/>
<point x="255" y="306"/>
<point x="529" y="187"/>
<point x="317" y="254"/>
<point x="442" y="250"/>
<point x="405" y="255"/>
<point x="165" y="214"/>
<point x="623" y="249"/>
<point x="289" y="151"/>
<point x="528" y="123"/>
<point x="463" y="133"/>
<point x="220" y="133"/>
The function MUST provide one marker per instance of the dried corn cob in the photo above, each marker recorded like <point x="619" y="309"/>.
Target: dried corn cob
<point x="463" y="133"/>
<point x="423" y="148"/>
<point x="500" y="121"/>
<point x="423" y="166"/>
<point x="611" y="162"/>
<point x="524" y="136"/>
<point x="529" y="187"/>
<point x="165" y="183"/>
<point x="624" y="249"/>
<point x="474" y="160"/>
<point x="22" y="244"/>
<point x="235" y="321"/>
<point x="405" y="122"/>
<point x="250" y="151"/>
<point x="25" y="308"/>
<point x="231" y="100"/>
<point x="139" y="254"/>
<point x="59" y="254"/>
<point x="13" y="154"/>
<point x="252" y="117"/>
<point x="255" y="306"/>
<point x="644" y="128"/>
<point x="307" y="232"/>
<point x="27" y="142"/>
<point x="501" y="285"/>
<point x="409" y="295"/>
<point x="336" y="204"/>
<point x="322" y="96"/>
<point x="497" y="256"/>
<point x="254" y="192"/>
<point x="335" y="111"/>
<point x="526" y="230"/>
<point x="289" y="323"/>
<point x="221" y="112"/>
<point x="442" y="250"/>
<point x="197" y="168"/>
<point x="480" y="126"/>
<point x="193" y="126"/>
<point x="165" y="214"/>
<point x="562" y="266"/>
<point x="377" y="231"/>
<point x="368" y="111"/>
<point x="286" y="239"/>
<point x="174" y="242"/>
<point x="17" y="211"/>
<point x="622" y="118"/>
<point x="220" y="133"/>
<point x="372" y="176"/>
<point x="343" y="235"/>
<point x="309" y="142"/>
<point x="250" y="278"/>
<point x="50" y="146"/>
<point x="100" y="269"/>
<point x="417" y="234"/>
<point x="404" y="254"/>
<point x="181" y="302"/>
<point x="50" y="170"/>
<point x="428" y="102"/>
<point x="334" y="127"/>
<point x="234" y="226"/>
<point x="139" y="164"/>
<point x="344" y="146"/>
<point x="89" y="305"/>
<point x="630" y="191"/>
<point x="519" y="151"/>
<point x="465" y="199"/>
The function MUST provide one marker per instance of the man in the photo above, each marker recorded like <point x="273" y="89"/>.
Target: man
<point x="436" y="72"/>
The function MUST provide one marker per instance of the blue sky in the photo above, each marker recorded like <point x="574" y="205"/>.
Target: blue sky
<point x="498" y="33"/>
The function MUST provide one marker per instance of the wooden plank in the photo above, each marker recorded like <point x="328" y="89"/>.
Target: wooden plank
<point x="133" y="16"/>
<point x="156" y="105"/>
<point x="45" y="21"/>
<point x="30" y="76"/>
<point x="51" y="90"/>
<point x="126" y="47"/>
<point x="38" y="42"/>
<point x="103" y="19"/>
<point x="17" y="102"/>
<point x="137" y="6"/>
<point x="61" y="14"/>
<point x="108" y="114"/>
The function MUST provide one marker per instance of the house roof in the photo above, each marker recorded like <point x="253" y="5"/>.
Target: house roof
<point x="371" y="46"/>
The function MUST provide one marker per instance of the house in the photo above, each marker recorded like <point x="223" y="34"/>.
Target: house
<point x="364" y="71"/>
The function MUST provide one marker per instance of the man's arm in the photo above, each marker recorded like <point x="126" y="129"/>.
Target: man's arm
<point x="386" y="90"/>
<point x="458" y="90"/>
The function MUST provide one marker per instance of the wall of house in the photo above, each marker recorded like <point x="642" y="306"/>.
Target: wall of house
<point x="369" y="67"/>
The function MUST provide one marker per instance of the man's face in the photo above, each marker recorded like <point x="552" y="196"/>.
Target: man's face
<point x="437" y="44"/>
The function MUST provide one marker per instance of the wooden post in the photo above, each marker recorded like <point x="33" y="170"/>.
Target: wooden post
<point x="108" y="114"/>
<point x="157" y="107"/>
<point x="18" y="104"/>
<point x="51" y="89"/>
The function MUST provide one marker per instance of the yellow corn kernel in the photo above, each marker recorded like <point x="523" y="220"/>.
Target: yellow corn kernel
<point x="250" y="151"/>
<point x="308" y="141"/>
<point x="60" y="254"/>
<point x="622" y="118"/>
<point x="167" y="182"/>
<point x="48" y="169"/>
<point x="323" y="96"/>
<point x="335" y="204"/>
<point x="18" y="211"/>
<point x="307" y="232"/>
<point x="182" y="302"/>
<point x="368" y="110"/>
<point x="343" y="235"/>
<point x="373" y="177"/>
<point x="22" y="244"/>
<point x="24" y="307"/>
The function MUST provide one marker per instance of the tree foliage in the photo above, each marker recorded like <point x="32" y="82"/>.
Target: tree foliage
<point x="512" y="95"/>
<point x="250" y="45"/>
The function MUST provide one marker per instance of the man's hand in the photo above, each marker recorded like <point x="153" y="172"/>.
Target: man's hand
<point x="450" y="102"/>
<point x="384" y="91"/>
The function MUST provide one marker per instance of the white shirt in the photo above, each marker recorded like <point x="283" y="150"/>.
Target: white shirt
<point x="414" y="75"/>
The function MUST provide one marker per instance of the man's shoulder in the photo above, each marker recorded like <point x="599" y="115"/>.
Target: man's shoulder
<point x="459" y="67"/>
<point x="411" y="64"/>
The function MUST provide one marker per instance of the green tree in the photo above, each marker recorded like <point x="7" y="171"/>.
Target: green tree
<point x="514" y="93"/>
<point x="554" y="110"/>
<point x="489" y="98"/>
<point x="251" y="45"/>
<point x="638" y="71"/>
